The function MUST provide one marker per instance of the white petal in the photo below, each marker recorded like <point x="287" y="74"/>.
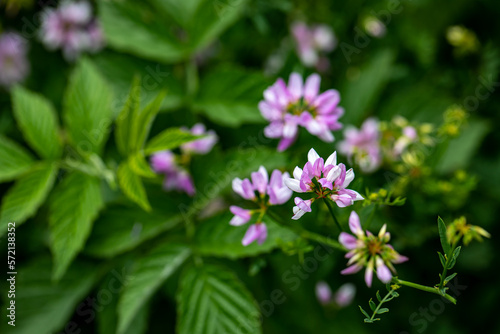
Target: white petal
<point x="263" y="171"/>
<point x="349" y="176"/>
<point x="332" y="159"/>
<point x="333" y="174"/>
<point x="312" y="156"/>
<point x="293" y="184"/>
<point x="297" y="173"/>
<point x="298" y="213"/>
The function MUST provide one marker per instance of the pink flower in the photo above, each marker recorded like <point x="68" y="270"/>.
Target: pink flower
<point x="363" y="145"/>
<point x="203" y="145"/>
<point x="263" y="191"/>
<point x="312" y="41"/>
<point x="345" y="294"/>
<point x="180" y="180"/>
<point x="370" y="251"/>
<point x="256" y="232"/>
<point x="71" y="28"/>
<point x="300" y="104"/>
<point x="14" y="65"/>
<point x="323" y="293"/>
<point x="163" y="162"/>
<point x="324" y="178"/>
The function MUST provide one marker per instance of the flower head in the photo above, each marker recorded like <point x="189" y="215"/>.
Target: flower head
<point x="71" y="28"/>
<point x="370" y="251"/>
<point x="203" y="145"/>
<point x="363" y="145"/>
<point x="324" y="178"/>
<point x="14" y="66"/>
<point x="265" y="192"/>
<point x="342" y="297"/>
<point x="312" y="42"/>
<point x="299" y="103"/>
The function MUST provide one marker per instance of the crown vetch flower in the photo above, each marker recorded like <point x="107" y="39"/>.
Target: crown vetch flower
<point x="363" y="145"/>
<point x="311" y="42"/>
<point x="324" y="178"/>
<point x="203" y="145"/>
<point x="265" y="192"/>
<point x="72" y="28"/>
<point x="342" y="297"/>
<point x="300" y="104"/>
<point x="14" y="65"/>
<point x="370" y="251"/>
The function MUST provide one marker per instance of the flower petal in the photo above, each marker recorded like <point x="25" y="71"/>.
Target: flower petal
<point x="348" y="240"/>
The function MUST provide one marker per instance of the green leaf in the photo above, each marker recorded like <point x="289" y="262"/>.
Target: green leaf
<point x="138" y="164"/>
<point x="75" y="203"/>
<point x="215" y="237"/>
<point x="383" y="310"/>
<point x="131" y="226"/>
<point x="27" y="195"/>
<point x="449" y="278"/>
<point x="14" y="160"/>
<point x="124" y="121"/>
<point x="373" y="306"/>
<point x="378" y="296"/>
<point x="132" y="186"/>
<point x="211" y="299"/>
<point x="442" y="259"/>
<point x="460" y="150"/>
<point x="364" y="312"/>
<point x="147" y="35"/>
<point x="45" y="306"/>
<point x="151" y="271"/>
<point x="87" y="109"/>
<point x="38" y="122"/>
<point x="442" y="236"/>
<point x="168" y="140"/>
<point x="230" y="95"/>
<point x="455" y="255"/>
<point x="143" y="121"/>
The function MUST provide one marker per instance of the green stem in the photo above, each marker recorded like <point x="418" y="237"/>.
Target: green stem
<point x="389" y="294"/>
<point x="449" y="256"/>
<point x="329" y="205"/>
<point x="423" y="288"/>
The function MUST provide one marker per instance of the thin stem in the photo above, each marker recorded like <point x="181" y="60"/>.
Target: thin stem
<point x="389" y="294"/>
<point x="424" y="288"/>
<point x="449" y="257"/>
<point x="329" y="205"/>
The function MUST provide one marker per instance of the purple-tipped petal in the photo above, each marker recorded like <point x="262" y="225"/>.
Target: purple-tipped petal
<point x="355" y="224"/>
<point x="323" y="293"/>
<point x="352" y="269"/>
<point x="369" y="274"/>
<point x="255" y="232"/>
<point x="295" y="86"/>
<point x="347" y="240"/>
<point x="325" y="183"/>
<point x="383" y="273"/>
<point x="311" y="87"/>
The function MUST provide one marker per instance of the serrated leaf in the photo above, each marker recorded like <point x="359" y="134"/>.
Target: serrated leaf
<point x="373" y="306"/>
<point x="378" y="296"/>
<point x="125" y="118"/>
<point x="383" y="310"/>
<point x="442" y="236"/>
<point x="229" y="96"/>
<point x="143" y="120"/>
<point x="140" y="166"/>
<point x="45" y="306"/>
<point x="211" y="299"/>
<point x="364" y="312"/>
<point x="215" y="237"/>
<point x="38" y="122"/>
<point x="132" y="186"/>
<point x="75" y="203"/>
<point x="151" y="271"/>
<point x="442" y="259"/>
<point x="14" y="160"/>
<point x="25" y="197"/>
<point x="168" y="140"/>
<point x="87" y="109"/>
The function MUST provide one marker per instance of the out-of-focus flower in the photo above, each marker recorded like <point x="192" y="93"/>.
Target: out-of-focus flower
<point x="312" y="42"/>
<point x="71" y="28"/>
<point x="263" y="191"/>
<point x="14" y="65"/>
<point x="374" y="27"/>
<point x="460" y="229"/>
<point x="300" y="104"/>
<point x="324" y="178"/>
<point x="464" y="40"/>
<point x="370" y="251"/>
<point x="174" y="168"/>
<point x="363" y="145"/>
<point x="409" y="136"/>
<point x="203" y="145"/>
<point x="342" y="298"/>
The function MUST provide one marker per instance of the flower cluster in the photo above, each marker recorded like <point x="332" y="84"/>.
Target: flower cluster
<point x="312" y="42"/>
<point x="177" y="176"/>
<point x="263" y="191"/>
<point x="363" y="145"/>
<point x="324" y="178"/>
<point x="71" y="28"/>
<point x="14" y="64"/>
<point x="342" y="298"/>
<point x="370" y="251"/>
<point x="300" y="104"/>
<point x="460" y="229"/>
